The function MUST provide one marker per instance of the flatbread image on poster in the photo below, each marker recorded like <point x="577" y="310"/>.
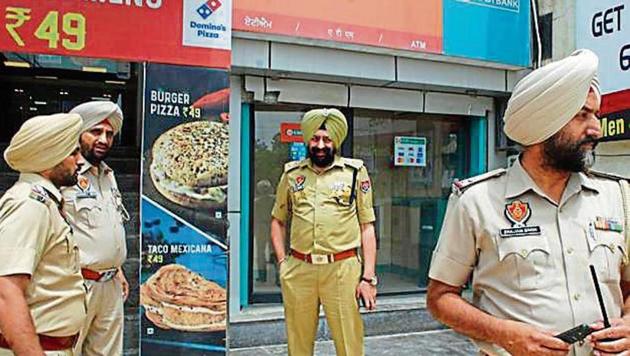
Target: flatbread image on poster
<point x="178" y="298"/>
<point x="190" y="164"/>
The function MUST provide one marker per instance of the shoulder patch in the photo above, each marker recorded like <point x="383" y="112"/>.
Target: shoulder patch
<point x="38" y="193"/>
<point x="353" y="162"/>
<point x="607" y="175"/>
<point x="460" y="186"/>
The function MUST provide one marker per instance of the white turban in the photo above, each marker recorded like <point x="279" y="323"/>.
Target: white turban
<point x="93" y="112"/>
<point x="549" y="97"/>
<point x="43" y="142"/>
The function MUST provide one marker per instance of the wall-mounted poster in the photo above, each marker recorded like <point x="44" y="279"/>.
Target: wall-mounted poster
<point x="410" y="151"/>
<point x="183" y="292"/>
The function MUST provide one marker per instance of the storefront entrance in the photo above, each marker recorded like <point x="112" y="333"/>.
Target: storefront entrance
<point x="409" y="200"/>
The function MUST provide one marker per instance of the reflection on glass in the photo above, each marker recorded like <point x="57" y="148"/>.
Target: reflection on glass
<point x="409" y="201"/>
<point x="271" y="152"/>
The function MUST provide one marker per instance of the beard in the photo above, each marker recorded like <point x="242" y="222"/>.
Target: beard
<point x="62" y="178"/>
<point x="324" y="161"/>
<point x="562" y="154"/>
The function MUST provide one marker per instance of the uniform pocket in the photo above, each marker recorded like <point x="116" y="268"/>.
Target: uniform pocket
<point x="88" y="211"/>
<point x="607" y="249"/>
<point x="530" y="257"/>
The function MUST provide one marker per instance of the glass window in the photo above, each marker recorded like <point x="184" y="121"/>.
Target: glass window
<point x="409" y="201"/>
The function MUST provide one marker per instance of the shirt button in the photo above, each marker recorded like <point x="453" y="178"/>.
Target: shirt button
<point x="577" y="296"/>
<point x="524" y="252"/>
<point x="570" y="250"/>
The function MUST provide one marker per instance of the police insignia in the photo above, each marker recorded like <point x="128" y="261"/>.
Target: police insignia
<point x="38" y="193"/>
<point x="299" y="183"/>
<point x="83" y="182"/>
<point x="365" y="186"/>
<point x="518" y="212"/>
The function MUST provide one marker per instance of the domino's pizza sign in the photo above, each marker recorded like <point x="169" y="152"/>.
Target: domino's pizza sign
<point x="207" y="23"/>
<point x="207" y="8"/>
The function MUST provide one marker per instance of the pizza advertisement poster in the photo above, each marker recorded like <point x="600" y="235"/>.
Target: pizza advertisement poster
<point x="184" y="210"/>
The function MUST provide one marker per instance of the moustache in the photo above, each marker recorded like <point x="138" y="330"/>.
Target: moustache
<point x="588" y="140"/>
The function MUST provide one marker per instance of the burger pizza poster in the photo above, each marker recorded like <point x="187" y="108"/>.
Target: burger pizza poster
<point x="183" y="293"/>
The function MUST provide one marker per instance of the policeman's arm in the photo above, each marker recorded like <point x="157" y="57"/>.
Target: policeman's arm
<point x="368" y="246"/>
<point x="278" y="232"/>
<point x="279" y="215"/>
<point x="16" y="324"/>
<point x="447" y="305"/>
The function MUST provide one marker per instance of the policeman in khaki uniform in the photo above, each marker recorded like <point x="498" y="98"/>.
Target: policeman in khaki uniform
<point x="528" y="234"/>
<point x="42" y="296"/>
<point x="95" y="211"/>
<point x="328" y="200"/>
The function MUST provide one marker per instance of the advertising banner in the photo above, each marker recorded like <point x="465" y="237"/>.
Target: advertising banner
<point x="192" y="32"/>
<point x="409" y="25"/>
<point x="604" y="27"/>
<point x="490" y="30"/>
<point x="183" y="293"/>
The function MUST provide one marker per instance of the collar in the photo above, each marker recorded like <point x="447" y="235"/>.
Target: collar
<point x="36" y="179"/>
<point x="520" y="182"/>
<point x="103" y="167"/>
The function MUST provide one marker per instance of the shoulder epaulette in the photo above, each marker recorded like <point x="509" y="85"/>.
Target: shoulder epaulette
<point x="607" y="175"/>
<point x="460" y="186"/>
<point x="39" y="193"/>
<point x="353" y="162"/>
<point x="289" y="166"/>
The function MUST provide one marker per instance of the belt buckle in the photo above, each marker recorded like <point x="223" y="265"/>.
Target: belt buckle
<point x="319" y="259"/>
<point x="106" y="276"/>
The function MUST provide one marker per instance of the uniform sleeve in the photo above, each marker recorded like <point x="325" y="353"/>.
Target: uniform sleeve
<point x="455" y="255"/>
<point x="23" y="230"/>
<point x="282" y="206"/>
<point x="365" y="205"/>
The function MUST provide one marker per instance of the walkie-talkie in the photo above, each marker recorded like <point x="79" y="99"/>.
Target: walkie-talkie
<point x="580" y="332"/>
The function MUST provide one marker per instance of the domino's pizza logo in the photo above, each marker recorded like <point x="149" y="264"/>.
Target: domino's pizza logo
<point x="208" y="8"/>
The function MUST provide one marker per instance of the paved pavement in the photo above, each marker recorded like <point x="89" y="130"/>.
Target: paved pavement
<point x="439" y="342"/>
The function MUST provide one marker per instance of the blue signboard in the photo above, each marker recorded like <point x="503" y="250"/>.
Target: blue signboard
<point x="489" y="30"/>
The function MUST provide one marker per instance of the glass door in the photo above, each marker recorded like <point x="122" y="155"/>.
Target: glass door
<point x="412" y="160"/>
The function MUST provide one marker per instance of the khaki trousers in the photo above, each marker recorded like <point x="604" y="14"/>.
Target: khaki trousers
<point x="305" y="287"/>
<point x="102" y="332"/>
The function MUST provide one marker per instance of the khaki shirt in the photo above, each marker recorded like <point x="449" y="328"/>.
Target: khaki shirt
<point x="529" y="258"/>
<point x="95" y="211"/>
<point x="36" y="240"/>
<point x="323" y="219"/>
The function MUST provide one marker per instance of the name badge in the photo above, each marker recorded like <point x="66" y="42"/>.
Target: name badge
<point x="86" y="195"/>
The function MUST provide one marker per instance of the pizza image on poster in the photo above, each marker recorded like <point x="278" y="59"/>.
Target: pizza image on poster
<point x="189" y="164"/>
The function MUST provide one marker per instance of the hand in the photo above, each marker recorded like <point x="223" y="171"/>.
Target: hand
<point x="120" y="276"/>
<point x="619" y="330"/>
<point x="367" y="292"/>
<point x="524" y="339"/>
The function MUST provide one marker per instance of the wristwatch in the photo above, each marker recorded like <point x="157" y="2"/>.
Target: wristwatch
<point x="372" y="281"/>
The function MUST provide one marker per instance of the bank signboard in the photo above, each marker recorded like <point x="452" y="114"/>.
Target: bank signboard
<point x="192" y="32"/>
<point x="489" y="30"/>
